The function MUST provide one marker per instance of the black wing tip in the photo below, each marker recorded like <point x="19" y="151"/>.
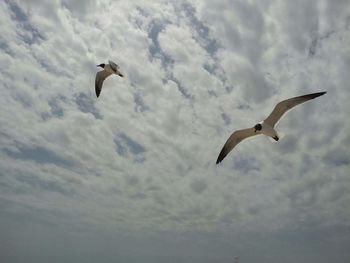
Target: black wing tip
<point x="97" y="93"/>
<point x="221" y="156"/>
<point x="316" y="94"/>
<point x="320" y="93"/>
<point x="97" y="90"/>
<point x="311" y="96"/>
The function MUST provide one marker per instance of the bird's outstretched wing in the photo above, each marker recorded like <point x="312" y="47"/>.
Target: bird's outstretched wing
<point x="235" y="138"/>
<point x="285" y="105"/>
<point x="113" y="65"/>
<point x="100" y="77"/>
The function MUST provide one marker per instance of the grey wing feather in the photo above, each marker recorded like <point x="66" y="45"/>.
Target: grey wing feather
<point x="235" y="138"/>
<point x="285" y="105"/>
<point x="113" y="65"/>
<point x="100" y="77"/>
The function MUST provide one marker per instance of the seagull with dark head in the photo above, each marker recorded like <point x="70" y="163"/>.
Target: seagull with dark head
<point x="266" y="127"/>
<point x="108" y="69"/>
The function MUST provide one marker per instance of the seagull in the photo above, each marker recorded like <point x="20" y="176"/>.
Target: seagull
<point x="108" y="69"/>
<point x="265" y="127"/>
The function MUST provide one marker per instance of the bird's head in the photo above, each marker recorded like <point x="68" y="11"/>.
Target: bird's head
<point x="258" y="127"/>
<point x="102" y="65"/>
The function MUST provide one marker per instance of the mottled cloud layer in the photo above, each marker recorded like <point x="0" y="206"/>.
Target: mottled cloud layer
<point x="131" y="176"/>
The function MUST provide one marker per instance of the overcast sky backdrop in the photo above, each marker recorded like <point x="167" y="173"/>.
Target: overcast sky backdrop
<point x="131" y="177"/>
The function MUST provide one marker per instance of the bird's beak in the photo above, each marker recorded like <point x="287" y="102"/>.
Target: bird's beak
<point x="121" y="75"/>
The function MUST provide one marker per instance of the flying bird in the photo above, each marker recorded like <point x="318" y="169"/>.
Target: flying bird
<point x="108" y="69"/>
<point x="265" y="127"/>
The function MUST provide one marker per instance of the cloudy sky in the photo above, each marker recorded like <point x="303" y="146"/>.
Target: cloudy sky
<point x="131" y="176"/>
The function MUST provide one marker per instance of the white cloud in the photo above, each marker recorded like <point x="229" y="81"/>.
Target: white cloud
<point x="137" y="166"/>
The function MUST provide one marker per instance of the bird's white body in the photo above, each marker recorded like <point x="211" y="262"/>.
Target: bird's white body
<point x="109" y="70"/>
<point x="268" y="131"/>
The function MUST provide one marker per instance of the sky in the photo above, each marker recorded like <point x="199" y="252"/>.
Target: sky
<point x="131" y="176"/>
